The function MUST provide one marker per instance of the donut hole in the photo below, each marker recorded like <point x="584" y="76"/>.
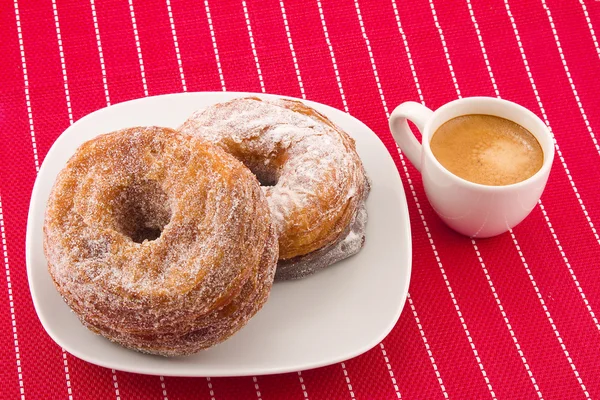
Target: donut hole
<point x="266" y="174"/>
<point x="143" y="211"/>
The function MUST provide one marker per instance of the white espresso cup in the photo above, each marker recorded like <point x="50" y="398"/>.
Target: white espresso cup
<point x="472" y="209"/>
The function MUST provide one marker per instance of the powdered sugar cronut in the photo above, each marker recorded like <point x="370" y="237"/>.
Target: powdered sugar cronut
<point x="311" y="173"/>
<point x="159" y="241"/>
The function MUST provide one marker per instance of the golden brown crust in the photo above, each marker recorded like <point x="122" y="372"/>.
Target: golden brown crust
<point x="320" y="180"/>
<point x="199" y="282"/>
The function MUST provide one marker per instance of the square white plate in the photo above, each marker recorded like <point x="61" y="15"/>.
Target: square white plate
<point x="331" y="316"/>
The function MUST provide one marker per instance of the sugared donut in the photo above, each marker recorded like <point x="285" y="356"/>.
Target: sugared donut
<point x="159" y="241"/>
<point x="310" y="171"/>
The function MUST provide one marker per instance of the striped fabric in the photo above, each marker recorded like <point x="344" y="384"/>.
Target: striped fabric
<point x="511" y="317"/>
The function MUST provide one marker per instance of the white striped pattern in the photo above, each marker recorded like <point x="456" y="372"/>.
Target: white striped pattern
<point x="302" y="385"/>
<point x="210" y="388"/>
<point x="26" y="81"/>
<point x="289" y="38"/>
<point x="163" y="387"/>
<point x="545" y="118"/>
<point x="539" y="101"/>
<point x="62" y="62"/>
<point x="67" y="375"/>
<point x="214" y="43"/>
<point x="441" y="33"/>
<point x="549" y="224"/>
<point x="100" y="52"/>
<point x="176" y="43"/>
<point x="37" y="168"/>
<point x="568" y="73"/>
<point x="506" y="321"/>
<point x="347" y="378"/>
<point x="427" y="347"/>
<point x="514" y="238"/>
<point x="138" y="47"/>
<point x="547" y="313"/>
<point x="485" y="57"/>
<point x="11" y="303"/>
<point x="257" y="388"/>
<point x="390" y="370"/>
<point x="571" y="272"/>
<point x="590" y="27"/>
<point x="116" y="384"/>
<point x="331" y="53"/>
<point x="249" y="26"/>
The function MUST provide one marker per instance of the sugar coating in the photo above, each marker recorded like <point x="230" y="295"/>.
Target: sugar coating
<point x="159" y="241"/>
<point x="318" y="181"/>
<point x="348" y="245"/>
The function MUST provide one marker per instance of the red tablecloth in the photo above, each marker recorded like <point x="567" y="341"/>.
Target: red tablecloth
<point x="515" y="316"/>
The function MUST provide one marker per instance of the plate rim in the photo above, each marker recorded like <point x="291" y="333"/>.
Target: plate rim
<point x="185" y="371"/>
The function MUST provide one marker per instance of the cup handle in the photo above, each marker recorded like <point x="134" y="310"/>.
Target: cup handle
<point x="419" y="115"/>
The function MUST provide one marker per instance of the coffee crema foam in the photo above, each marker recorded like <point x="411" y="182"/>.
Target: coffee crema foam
<point x="486" y="149"/>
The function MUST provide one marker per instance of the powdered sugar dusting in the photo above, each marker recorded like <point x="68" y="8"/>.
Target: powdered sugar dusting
<point x="159" y="241"/>
<point x="346" y="246"/>
<point x="318" y="181"/>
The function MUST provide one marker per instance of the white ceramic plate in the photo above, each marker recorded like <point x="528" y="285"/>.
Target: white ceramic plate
<point x="331" y="316"/>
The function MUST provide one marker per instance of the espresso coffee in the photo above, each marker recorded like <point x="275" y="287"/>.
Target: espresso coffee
<point x="486" y="149"/>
